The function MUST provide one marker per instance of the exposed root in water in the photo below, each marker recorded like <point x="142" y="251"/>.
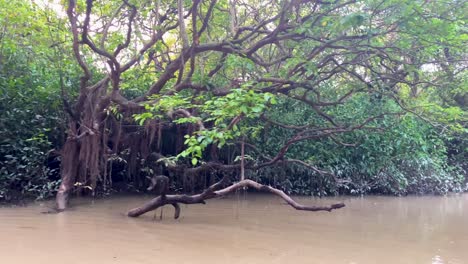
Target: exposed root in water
<point x="214" y="191"/>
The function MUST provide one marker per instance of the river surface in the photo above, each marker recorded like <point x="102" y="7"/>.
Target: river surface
<point x="244" y="228"/>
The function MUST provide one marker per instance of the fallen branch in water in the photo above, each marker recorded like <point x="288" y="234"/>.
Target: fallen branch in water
<point x="213" y="192"/>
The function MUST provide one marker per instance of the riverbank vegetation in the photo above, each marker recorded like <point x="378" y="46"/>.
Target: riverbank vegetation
<point x="309" y="97"/>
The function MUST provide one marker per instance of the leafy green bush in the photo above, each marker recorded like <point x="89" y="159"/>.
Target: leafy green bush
<point x="30" y="105"/>
<point x="23" y="172"/>
<point x="30" y="124"/>
<point x="404" y="156"/>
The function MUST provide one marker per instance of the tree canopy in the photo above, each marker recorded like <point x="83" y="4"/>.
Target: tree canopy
<point x="315" y="97"/>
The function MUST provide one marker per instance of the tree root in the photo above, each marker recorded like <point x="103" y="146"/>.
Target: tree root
<point x="215" y="191"/>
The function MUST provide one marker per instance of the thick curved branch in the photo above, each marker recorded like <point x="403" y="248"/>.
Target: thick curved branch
<point x="76" y="47"/>
<point x="86" y="38"/>
<point x="207" y="17"/>
<point x="124" y="45"/>
<point x="284" y="196"/>
<point x="212" y="192"/>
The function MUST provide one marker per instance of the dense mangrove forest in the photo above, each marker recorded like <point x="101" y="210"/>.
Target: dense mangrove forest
<point x="205" y="105"/>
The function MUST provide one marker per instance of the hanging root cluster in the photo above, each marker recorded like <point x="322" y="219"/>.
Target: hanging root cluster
<point x="215" y="191"/>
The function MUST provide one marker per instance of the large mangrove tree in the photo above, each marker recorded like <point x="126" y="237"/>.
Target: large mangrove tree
<point x="217" y="94"/>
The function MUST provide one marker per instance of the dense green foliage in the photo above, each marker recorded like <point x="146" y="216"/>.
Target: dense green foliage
<point x="408" y="87"/>
<point x="31" y="110"/>
<point x="406" y="155"/>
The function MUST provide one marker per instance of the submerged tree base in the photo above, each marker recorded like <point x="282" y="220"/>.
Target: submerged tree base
<point x="214" y="191"/>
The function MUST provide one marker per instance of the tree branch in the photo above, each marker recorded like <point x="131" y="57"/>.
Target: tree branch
<point x="213" y="192"/>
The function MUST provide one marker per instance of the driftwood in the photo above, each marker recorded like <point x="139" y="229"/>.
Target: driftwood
<point x="215" y="191"/>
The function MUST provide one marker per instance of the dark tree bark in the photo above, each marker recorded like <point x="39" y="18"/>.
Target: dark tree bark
<point x="69" y="171"/>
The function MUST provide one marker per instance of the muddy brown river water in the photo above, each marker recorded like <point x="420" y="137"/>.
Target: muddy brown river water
<point x="241" y="229"/>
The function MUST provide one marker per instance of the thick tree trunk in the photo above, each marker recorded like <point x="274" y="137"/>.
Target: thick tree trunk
<point x="68" y="170"/>
<point x="83" y="155"/>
